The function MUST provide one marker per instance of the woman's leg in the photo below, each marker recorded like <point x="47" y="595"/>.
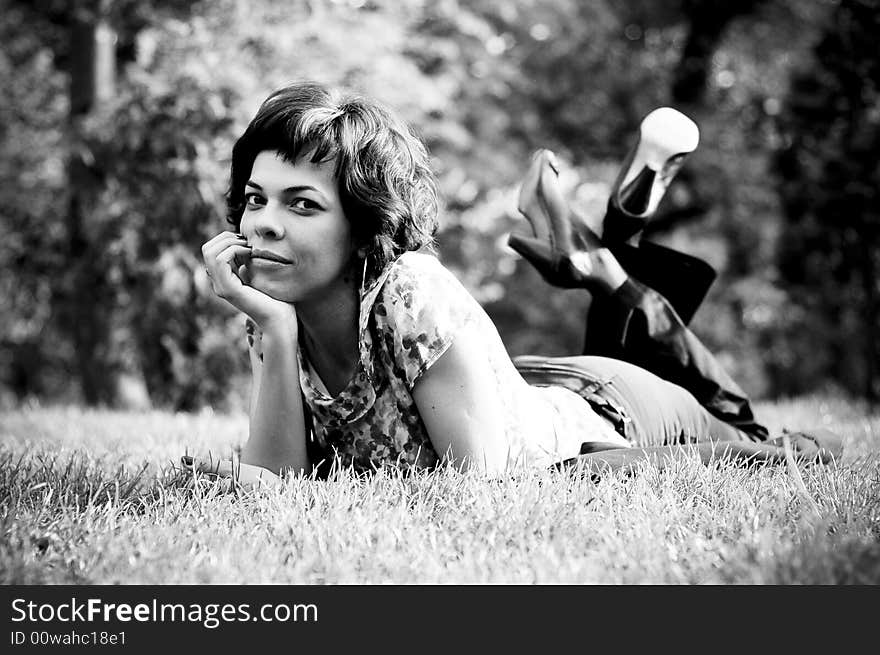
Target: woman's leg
<point x="657" y="412"/>
<point x="663" y="421"/>
<point x="629" y="321"/>
<point x="684" y="280"/>
<point x="745" y="453"/>
<point x="636" y="324"/>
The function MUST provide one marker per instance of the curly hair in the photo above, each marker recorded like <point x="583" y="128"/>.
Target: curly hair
<point x="387" y="188"/>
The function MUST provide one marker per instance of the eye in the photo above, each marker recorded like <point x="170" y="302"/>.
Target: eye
<point x="304" y="204"/>
<point x="254" y="200"/>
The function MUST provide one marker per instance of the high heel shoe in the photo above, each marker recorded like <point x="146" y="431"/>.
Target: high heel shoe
<point x="561" y="247"/>
<point x="666" y="137"/>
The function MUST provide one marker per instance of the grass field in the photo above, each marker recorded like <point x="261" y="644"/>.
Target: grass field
<point x="93" y="497"/>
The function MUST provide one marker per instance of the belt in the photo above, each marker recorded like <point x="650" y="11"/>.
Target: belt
<point x="547" y="372"/>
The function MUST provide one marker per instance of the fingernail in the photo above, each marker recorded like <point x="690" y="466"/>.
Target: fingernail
<point x="551" y="159"/>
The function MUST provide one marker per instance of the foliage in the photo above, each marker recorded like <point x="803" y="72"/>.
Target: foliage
<point x="829" y="179"/>
<point x="485" y="83"/>
<point x="32" y="117"/>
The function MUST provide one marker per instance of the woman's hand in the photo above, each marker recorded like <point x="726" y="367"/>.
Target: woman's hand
<point x="247" y="475"/>
<point x="225" y="256"/>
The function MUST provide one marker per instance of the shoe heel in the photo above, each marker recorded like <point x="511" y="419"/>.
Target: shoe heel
<point x="666" y="137"/>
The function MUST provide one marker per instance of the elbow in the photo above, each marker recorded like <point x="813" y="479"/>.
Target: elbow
<point x="484" y="462"/>
<point x="302" y="471"/>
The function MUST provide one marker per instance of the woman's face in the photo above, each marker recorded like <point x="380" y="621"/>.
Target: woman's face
<point x="293" y="220"/>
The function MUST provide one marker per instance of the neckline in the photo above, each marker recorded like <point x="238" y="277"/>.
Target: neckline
<point x="316" y="379"/>
<point x="362" y="371"/>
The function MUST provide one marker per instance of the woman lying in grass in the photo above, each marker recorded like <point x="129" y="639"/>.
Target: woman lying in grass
<point x="366" y="351"/>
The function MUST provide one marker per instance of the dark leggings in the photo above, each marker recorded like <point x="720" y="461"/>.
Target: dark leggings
<point x="642" y="360"/>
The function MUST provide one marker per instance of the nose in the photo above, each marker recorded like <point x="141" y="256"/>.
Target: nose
<point x="264" y="223"/>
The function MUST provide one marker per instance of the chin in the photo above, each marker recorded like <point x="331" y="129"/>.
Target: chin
<point x="275" y="290"/>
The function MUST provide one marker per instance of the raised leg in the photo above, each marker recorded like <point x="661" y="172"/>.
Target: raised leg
<point x="682" y="279"/>
<point x="628" y="321"/>
<point x="638" y="325"/>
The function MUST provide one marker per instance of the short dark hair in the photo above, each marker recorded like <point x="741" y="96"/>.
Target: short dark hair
<point x="386" y="185"/>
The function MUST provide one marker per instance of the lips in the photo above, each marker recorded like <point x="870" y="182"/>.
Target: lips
<point x="268" y="255"/>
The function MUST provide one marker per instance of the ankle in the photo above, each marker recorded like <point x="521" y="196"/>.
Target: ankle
<point x="599" y="269"/>
<point x="608" y="270"/>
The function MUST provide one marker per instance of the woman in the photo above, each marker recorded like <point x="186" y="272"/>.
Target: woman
<point x="364" y="349"/>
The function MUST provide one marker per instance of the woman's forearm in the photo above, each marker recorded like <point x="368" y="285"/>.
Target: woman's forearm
<point x="277" y="429"/>
<point x="255" y="353"/>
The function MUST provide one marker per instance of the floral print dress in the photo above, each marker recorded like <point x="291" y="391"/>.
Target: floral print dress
<point x="409" y="316"/>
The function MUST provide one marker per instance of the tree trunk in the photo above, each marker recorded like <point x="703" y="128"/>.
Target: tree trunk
<point x="708" y="20"/>
<point x="872" y="321"/>
<point x="87" y="295"/>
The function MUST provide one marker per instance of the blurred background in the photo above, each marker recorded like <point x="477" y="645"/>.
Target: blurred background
<point x="117" y="118"/>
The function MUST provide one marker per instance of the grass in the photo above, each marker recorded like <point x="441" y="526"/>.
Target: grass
<point x="94" y="497"/>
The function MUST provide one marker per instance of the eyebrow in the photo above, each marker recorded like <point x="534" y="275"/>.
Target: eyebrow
<point x="290" y="189"/>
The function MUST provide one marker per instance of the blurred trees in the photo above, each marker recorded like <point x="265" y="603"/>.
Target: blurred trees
<point x="89" y="250"/>
<point x="107" y="301"/>
<point x="829" y="179"/>
<point x="32" y="170"/>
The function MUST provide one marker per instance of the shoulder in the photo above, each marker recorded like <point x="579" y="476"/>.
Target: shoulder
<point x="420" y="278"/>
<point x="419" y="311"/>
<point x="418" y="283"/>
<point x="417" y="269"/>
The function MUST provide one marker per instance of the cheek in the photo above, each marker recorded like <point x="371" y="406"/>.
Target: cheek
<point x="246" y="225"/>
<point x="341" y="242"/>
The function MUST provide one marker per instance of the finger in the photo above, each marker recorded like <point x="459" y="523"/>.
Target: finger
<point x="221" y="238"/>
<point x="219" y="243"/>
<point x="210" y="254"/>
<point x="212" y="257"/>
<point x="222" y="468"/>
<point x="249" y="474"/>
<point x="232" y="252"/>
<point x="224" y="266"/>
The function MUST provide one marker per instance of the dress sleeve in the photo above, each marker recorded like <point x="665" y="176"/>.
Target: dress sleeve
<point x="421" y="310"/>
